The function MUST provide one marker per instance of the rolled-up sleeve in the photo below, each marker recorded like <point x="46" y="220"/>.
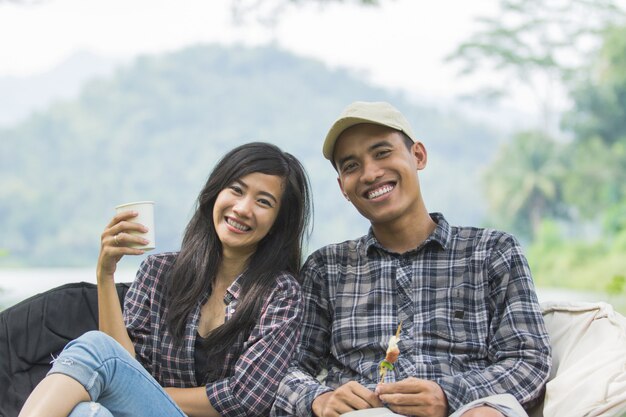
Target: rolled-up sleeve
<point x="300" y="386"/>
<point x="252" y="387"/>
<point x="137" y="305"/>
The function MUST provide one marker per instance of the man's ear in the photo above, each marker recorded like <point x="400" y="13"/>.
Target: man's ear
<point x="341" y="188"/>
<point x="418" y="150"/>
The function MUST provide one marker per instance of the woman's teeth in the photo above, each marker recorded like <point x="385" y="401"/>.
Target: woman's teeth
<point x="237" y="225"/>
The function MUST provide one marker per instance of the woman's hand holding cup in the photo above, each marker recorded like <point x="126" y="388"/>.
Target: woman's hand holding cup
<point x="124" y="235"/>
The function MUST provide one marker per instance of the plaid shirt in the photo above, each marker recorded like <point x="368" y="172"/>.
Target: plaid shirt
<point x="470" y="318"/>
<point x="248" y="382"/>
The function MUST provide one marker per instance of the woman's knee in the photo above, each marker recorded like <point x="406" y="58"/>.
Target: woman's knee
<point x="97" y="343"/>
<point x="90" y="409"/>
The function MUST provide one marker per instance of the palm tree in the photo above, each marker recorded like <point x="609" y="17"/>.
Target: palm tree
<point x="523" y="183"/>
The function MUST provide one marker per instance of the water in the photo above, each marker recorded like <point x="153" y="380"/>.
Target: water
<point x="19" y="284"/>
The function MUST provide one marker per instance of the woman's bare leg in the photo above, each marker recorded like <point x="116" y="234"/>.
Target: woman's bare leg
<point x="55" y="396"/>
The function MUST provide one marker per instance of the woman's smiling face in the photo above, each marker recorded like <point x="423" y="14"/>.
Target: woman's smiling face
<point x="245" y="211"/>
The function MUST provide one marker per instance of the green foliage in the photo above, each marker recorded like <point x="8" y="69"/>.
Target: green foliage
<point x="154" y="130"/>
<point x="535" y="46"/>
<point x="532" y="37"/>
<point x="617" y="285"/>
<point x="535" y="179"/>
<point x="523" y="183"/>
<point x="600" y="99"/>
<point x="538" y="187"/>
<point x="596" y="177"/>
<point x="597" y="156"/>
<point x="269" y="12"/>
<point x="557" y="261"/>
<point x="615" y="219"/>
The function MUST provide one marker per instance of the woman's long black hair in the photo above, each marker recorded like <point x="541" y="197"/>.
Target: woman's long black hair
<point x="196" y="266"/>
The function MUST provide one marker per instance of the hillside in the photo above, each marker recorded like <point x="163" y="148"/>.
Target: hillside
<point x="154" y="128"/>
<point x="20" y="96"/>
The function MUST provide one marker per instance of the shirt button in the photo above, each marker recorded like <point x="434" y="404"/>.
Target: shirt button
<point x="228" y="298"/>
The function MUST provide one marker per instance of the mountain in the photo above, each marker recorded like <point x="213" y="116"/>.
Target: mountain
<point x="153" y="129"/>
<point x="23" y="95"/>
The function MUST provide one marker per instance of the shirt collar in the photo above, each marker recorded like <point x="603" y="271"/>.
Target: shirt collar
<point x="233" y="291"/>
<point x="442" y="233"/>
<point x="441" y="236"/>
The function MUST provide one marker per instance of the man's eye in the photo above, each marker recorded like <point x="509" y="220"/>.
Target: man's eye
<point x="349" y="167"/>
<point x="382" y="154"/>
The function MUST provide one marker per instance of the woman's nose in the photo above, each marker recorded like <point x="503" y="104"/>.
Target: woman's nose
<point x="242" y="207"/>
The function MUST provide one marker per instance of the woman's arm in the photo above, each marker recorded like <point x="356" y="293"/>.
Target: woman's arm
<point x="110" y="320"/>
<point x="113" y="246"/>
<point x="193" y="401"/>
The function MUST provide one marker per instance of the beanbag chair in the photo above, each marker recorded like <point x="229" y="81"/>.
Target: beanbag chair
<point x="35" y="331"/>
<point x="588" y="377"/>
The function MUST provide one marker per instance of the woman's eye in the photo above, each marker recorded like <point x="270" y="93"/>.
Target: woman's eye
<point x="236" y="189"/>
<point x="265" y="202"/>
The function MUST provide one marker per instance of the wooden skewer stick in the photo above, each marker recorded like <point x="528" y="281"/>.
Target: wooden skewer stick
<point x="389" y="360"/>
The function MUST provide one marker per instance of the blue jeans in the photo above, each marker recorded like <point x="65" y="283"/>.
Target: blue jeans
<point x="116" y="382"/>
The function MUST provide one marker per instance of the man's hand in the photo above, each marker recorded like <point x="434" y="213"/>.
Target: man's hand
<point x="348" y="397"/>
<point x="415" y="397"/>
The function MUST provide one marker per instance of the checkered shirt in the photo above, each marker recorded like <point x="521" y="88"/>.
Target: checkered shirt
<point x="247" y="383"/>
<point x="470" y="318"/>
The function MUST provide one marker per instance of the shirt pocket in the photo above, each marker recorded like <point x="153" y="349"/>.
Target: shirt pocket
<point x="459" y="322"/>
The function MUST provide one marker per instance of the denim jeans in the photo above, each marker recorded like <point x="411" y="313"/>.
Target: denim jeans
<point x="505" y="403"/>
<point x="118" y="384"/>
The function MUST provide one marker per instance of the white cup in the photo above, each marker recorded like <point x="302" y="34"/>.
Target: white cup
<point x="145" y="216"/>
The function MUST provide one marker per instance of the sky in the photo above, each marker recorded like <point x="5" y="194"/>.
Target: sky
<point x="400" y="44"/>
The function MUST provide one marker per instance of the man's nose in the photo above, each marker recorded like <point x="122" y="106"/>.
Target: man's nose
<point x="371" y="172"/>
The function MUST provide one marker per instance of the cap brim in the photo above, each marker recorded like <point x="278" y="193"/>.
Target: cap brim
<point x="339" y="127"/>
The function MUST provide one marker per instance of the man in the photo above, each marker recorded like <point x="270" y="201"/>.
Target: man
<point x="472" y="339"/>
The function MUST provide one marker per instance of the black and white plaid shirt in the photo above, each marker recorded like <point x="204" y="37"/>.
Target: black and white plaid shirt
<point x="470" y="318"/>
<point x="247" y="381"/>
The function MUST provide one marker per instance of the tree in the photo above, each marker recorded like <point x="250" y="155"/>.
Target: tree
<point x="596" y="177"/>
<point x="600" y="100"/>
<point x="523" y="183"/>
<point x="536" y="44"/>
<point x="268" y="12"/>
<point x="154" y="129"/>
<point x="597" y="154"/>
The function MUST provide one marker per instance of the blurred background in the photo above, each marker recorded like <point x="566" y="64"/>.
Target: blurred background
<point x="521" y="105"/>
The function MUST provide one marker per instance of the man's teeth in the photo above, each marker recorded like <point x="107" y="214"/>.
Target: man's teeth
<point x="237" y="225"/>
<point x="380" y="191"/>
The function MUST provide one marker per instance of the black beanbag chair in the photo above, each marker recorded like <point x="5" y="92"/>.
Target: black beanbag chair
<point x="35" y="330"/>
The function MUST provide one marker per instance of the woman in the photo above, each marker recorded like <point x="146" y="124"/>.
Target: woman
<point x="215" y="323"/>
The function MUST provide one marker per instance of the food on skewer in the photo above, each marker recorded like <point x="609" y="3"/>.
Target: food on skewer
<point x="391" y="356"/>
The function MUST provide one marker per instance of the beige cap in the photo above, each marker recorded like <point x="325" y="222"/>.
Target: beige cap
<point x="378" y="112"/>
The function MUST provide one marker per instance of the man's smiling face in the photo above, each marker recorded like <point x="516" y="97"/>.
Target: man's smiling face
<point x="378" y="173"/>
